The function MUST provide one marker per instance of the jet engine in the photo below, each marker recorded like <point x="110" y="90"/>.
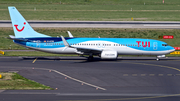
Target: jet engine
<point x="109" y="55"/>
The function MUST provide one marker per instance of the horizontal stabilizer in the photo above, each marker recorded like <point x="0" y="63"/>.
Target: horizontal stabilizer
<point x="14" y="38"/>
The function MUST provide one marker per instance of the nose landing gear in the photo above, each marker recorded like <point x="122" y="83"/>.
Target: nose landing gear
<point x="160" y="56"/>
<point x="157" y="59"/>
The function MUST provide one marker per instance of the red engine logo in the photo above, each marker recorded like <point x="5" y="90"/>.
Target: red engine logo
<point x="144" y="44"/>
<point x="19" y="30"/>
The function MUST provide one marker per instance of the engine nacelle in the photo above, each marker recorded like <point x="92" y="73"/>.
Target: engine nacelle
<point x="161" y="56"/>
<point x="109" y="55"/>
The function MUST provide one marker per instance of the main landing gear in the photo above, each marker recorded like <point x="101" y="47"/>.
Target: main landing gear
<point x="90" y="58"/>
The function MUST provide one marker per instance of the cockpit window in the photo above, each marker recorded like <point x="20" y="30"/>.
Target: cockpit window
<point x="165" y="45"/>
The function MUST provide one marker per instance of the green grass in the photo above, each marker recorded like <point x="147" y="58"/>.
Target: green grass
<point x="94" y="10"/>
<point x="95" y="32"/>
<point x="33" y="53"/>
<point x="91" y="2"/>
<point x="16" y="81"/>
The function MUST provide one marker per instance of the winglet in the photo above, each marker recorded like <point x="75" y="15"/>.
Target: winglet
<point x="65" y="42"/>
<point x="70" y="35"/>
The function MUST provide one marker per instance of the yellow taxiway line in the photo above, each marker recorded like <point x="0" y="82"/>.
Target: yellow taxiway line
<point x="34" y="60"/>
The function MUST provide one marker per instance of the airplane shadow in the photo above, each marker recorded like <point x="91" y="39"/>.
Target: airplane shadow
<point x="95" y="59"/>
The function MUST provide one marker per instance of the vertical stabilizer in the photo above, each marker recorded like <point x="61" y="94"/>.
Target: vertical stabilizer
<point x="21" y="27"/>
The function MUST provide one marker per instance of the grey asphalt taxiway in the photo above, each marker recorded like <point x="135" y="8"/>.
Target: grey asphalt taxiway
<point x="75" y="78"/>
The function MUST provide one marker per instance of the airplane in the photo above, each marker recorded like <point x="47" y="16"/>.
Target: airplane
<point x="105" y="48"/>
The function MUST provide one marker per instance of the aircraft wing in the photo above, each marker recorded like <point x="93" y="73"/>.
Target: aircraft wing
<point x="88" y="50"/>
<point x="82" y="50"/>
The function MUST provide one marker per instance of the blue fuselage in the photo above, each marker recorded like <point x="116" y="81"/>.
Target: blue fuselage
<point x="130" y="46"/>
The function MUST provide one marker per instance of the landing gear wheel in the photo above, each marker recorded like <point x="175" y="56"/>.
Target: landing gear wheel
<point x="157" y="59"/>
<point x="90" y="58"/>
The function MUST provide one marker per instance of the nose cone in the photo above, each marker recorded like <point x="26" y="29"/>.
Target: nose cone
<point x="171" y="49"/>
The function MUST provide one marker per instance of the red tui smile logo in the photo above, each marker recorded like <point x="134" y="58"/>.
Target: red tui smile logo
<point x="19" y="30"/>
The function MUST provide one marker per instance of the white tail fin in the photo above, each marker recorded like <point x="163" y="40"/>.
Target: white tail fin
<point x="21" y="27"/>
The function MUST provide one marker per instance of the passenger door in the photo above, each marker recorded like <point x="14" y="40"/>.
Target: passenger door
<point x="155" y="46"/>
